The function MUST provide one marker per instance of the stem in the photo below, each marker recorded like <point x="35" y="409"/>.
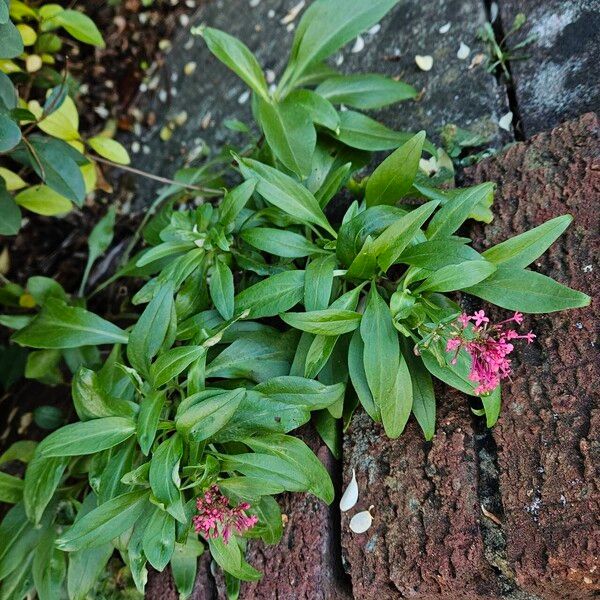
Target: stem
<point x="205" y="190"/>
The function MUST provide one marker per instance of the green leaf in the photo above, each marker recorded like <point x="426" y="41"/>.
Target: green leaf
<point x="86" y="566"/>
<point x="229" y="558"/>
<point x="49" y="567"/>
<point x="80" y="26"/>
<point x="184" y="566"/>
<point x="321" y="111"/>
<point x="62" y="326"/>
<point x="423" y="406"/>
<point x="10" y="213"/>
<point x="42" y="200"/>
<point x="300" y="460"/>
<point x="173" y="363"/>
<point x="87" y="437"/>
<point x="164" y="471"/>
<point x="159" y="539"/>
<point x="394" y="177"/>
<point x="164" y="250"/>
<point x="92" y="401"/>
<point x="98" y="242"/>
<point x="323" y="322"/>
<point x="110" y="149"/>
<point x="21" y="450"/>
<point x="236" y="55"/>
<point x="457" y="277"/>
<point x="521" y="250"/>
<point x="272" y="296"/>
<point x="222" y="290"/>
<point x="105" y="523"/>
<point x="258" y="356"/>
<point x="290" y="133"/>
<point x="10" y="134"/>
<point x="279" y="242"/>
<point x="211" y="412"/>
<point x="147" y="423"/>
<point x="362" y="132"/>
<point x="41" y="480"/>
<point x="456" y="211"/>
<point x="285" y="193"/>
<point x="318" y="282"/>
<point x="435" y="254"/>
<point x="328" y="25"/>
<point x="381" y="348"/>
<point x="391" y="243"/>
<point x="11" y="42"/>
<point x="396" y="406"/>
<point x="59" y="167"/>
<point x="365" y="91"/>
<point x="11" y="488"/>
<point x="234" y="201"/>
<point x="148" y="334"/>
<point x="364" y="264"/>
<point x="370" y="222"/>
<point x="492" y="404"/>
<point x="299" y="391"/>
<point x="332" y="185"/>
<point x="527" y="291"/>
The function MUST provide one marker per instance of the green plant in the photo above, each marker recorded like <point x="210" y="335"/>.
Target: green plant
<point x="203" y="388"/>
<point x="45" y="163"/>
<point x="500" y="54"/>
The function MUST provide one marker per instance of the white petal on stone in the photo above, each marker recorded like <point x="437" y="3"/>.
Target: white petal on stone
<point x="445" y="28"/>
<point x="493" y="11"/>
<point x="424" y="62"/>
<point x="359" y="45"/>
<point x="350" y="496"/>
<point x="463" y="51"/>
<point x="505" y="121"/>
<point x="361" y="521"/>
<point x="375" y="29"/>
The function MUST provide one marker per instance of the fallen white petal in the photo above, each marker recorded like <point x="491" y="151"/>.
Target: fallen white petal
<point x="445" y="28"/>
<point x="359" y="44"/>
<point x="350" y="496"/>
<point x="505" y="121"/>
<point x="424" y="62"/>
<point x="493" y="11"/>
<point x="293" y="13"/>
<point x="463" y="51"/>
<point x="361" y="521"/>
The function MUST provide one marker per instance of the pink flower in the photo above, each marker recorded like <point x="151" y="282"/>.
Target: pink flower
<point x="479" y="318"/>
<point x="488" y="345"/>
<point x="216" y="518"/>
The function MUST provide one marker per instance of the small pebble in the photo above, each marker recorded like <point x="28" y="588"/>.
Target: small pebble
<point x="145" y="149"/>
<point x="271" y="13"/>
<point x="493" y="11"/>
<point x="184" y="20"/>
<point x="189" y="44"/>
<point x="294" y="12"/>
<point x="445" y="28"/>
<point x="135" y="147"/>
<point x="425" y="63"/>
<point x="587" y="269"/>
<point x="162" y="95"/>
<point x="189" y="68"/>
<point x="270" y="75"/>
<point x="254" y="3"/>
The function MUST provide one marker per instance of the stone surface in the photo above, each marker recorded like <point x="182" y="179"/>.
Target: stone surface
<point x="560" y="79"/>
<point x="213" y="94"/>
<point x="548" y="437"/>
<point x="425" y="541"/>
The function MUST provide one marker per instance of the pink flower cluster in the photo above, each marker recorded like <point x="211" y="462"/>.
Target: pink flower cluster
<point x="488" y="345"/>
<point x="215" y="517"/>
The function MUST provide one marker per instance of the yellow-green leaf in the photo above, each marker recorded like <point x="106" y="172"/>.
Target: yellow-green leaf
<point x="110" y="149"/>
<point x="43" y="200"/>
<point x="12" y="180"/>
<point x="63" y="123"/>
